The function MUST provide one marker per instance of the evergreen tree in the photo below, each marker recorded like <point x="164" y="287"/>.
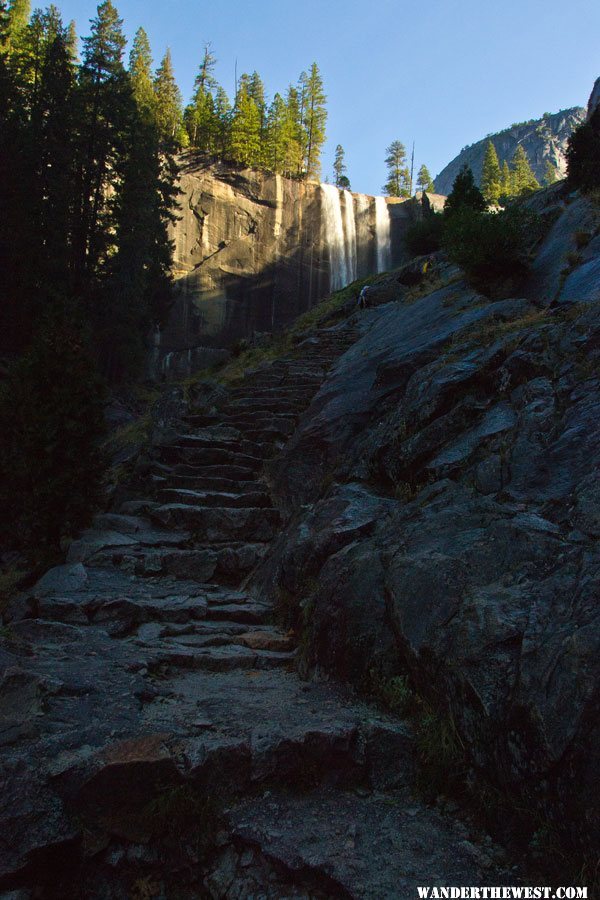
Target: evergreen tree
<point x="73" y="41"/>
<point x="29" y="49"/>
<point x="167" y="102"/>
<point x="205" y="80"/>
<point x="139" y="279"/>
<point x="339" y="166"/>
<point x="583" y="155"/>
<point x="51" y="419"/>
<point x="506" y="183"/>
<point x="4" y="28"/>
<point x="275" y="135"/>
<point x="424" y="180"/>
<point x="314" y="120"/>
<point x="140" y="72"/>
<point x="222" y="117"/>
<point x="19" y="12"/>
<point x="491" y="179"/>
<point x="465" y="194"/>
<point x="105" y="102"/>
<point x="200" y="116"/>
<point x="293" y="141"/>
<point x="53" y="128"/>
<point x="550" y="173"/>
<point x="524" y="180"/>
<point x="398" y="176"/>
<point x="256" y="90"/>
<point x="244" y="143"/>
<point x="14" y="198"/>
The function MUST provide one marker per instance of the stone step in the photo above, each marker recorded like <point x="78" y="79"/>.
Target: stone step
<point x="256" y="498"/>
<point x="281" y="381"/>
<point x="210" y="456"/>
<point x="220" y="523"/>
<point x="242" y="444"/>
<point x="266" y="405"/>
<point x="244" y="613"/>
<point x="266" y="639"/>
<point x="258" y="419"/>
<point x="232" y="472"/>
<point x="220" y="659"/>
<point x="156" y="631"/>
<point x="210" y="484"/>
<point x="223" y="564"/>
<point x="289" y="391"/>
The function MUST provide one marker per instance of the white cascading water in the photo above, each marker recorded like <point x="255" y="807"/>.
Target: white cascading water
<point x="382" y="233"/>
<point x="334" y="235"/>
<point x="350" y="236"/>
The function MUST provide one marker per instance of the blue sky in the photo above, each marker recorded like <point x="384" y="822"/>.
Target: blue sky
<point x="443" y="73"/>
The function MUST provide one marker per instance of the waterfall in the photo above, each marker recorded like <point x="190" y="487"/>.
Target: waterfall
<point x="334" y="236"/>
<point x="364" y="236"/>
<point x="382" y="233"/>
<point x="350" y="235"/>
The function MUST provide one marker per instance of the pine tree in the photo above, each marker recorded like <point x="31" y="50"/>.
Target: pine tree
<point x="524" y="180"/>
<point x="51" y="420"/>
<point x="15" y="195"/>
<point x="73" y="41"/>
<point x="491" y="179"/>
<point x="19" y="12"/>
<point x="583" y="155"/>
<point x="244" y="143"/>
<point x="53" y="134"/>
<point x="314" y="120"/>
<point x="339" y="167"/>
<point x="275" y="135"/>
<point x="4" y="28"/>
<point x="465" y="194"/>
<point x="140" y="71"/>
<point x="205" y="80"/>
<point x="105" y="102"/>
<point x="200" y="117"/>
<point x="506" y="183"/>
<point x="424" y="180"/>
<point x="29" y="49"/>
<point x="139" y="272"/>
<point x="294" y="132"/>
<point x="222" y="118"/>
<point x="256" y="90"/>
<point x="396" y="184"/>
<point x="167" y="101"/>
<point x="550" y="173"/>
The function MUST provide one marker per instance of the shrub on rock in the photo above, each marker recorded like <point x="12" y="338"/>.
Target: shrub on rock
<point x="491" y="248"/>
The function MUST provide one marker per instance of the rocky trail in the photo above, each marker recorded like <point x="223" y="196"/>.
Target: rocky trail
<point x="156" y="740"/>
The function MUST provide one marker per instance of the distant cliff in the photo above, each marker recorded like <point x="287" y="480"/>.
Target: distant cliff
<point x="544" y="140"/>
<point x="253" y="250"/>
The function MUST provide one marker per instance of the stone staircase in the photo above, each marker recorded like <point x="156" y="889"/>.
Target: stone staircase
<point x="155" y="688"/>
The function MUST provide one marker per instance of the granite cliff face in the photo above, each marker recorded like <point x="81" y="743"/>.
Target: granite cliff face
<point x="254" y="250"/>
<point x="544" y="140"/>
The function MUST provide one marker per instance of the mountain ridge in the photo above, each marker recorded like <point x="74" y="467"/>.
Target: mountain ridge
<point x="544" y="140"/>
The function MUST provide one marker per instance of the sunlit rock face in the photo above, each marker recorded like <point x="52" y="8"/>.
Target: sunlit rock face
<point x="253" y="250"/>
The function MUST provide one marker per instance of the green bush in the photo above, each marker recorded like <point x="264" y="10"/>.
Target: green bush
<point x="51" y="419"/>
<point x="490" y="248"/>
<point x="425" y="236"/>
<point x="583" y="156"/>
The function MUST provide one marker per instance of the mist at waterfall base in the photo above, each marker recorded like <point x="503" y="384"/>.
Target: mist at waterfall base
<point x="349" y="221"/>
